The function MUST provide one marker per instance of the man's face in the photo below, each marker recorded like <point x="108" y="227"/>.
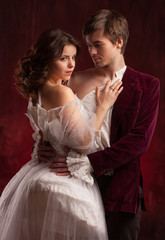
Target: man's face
<point x="102" y="51"/>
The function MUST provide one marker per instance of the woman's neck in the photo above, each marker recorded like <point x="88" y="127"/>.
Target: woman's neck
<point x="53" y="82"/>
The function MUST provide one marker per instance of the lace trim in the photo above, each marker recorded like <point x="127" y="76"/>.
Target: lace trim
<point x="80" y="167"/>
<point x="34" y="157"/>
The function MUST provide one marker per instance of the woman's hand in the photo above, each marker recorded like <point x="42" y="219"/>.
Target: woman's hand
<point x="108" y="96"/>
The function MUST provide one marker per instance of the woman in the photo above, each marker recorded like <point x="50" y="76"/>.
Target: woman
<point x="36" y="204"/>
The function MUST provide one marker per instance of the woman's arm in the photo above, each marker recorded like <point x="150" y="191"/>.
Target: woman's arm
<point x="105" y="100"/>
<point x="62" y="95"/>
<point x="77" y="125"/>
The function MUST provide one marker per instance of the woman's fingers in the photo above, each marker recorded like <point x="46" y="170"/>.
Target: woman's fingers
<point x="97" y="93"/>
<point x="119" y="91"/>
<point x="115" y="88"/>
<point x="108" y="96"/>
<point x="118" y="87"/>
<point x="115" y="84"/>
<point x="107" y="86"/>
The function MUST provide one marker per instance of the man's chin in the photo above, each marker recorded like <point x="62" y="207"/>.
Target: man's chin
<point x="100" y="65"/>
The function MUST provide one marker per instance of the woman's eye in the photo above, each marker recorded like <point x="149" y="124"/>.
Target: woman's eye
<point x="63" y="58"/>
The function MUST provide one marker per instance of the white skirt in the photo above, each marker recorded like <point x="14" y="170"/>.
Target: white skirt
<point x="38" y="205"/>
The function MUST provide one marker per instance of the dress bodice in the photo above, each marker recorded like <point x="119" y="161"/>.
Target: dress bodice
<point x="57" y="124"/>
<point x="61" y="125"/>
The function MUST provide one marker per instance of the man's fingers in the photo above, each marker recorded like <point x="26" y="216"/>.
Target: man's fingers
<point x="44" y="147"/>
<point x="63" y="174"/>
<point x="59" y="170"/>
<point x="46" y="154"/>
<point x="44" y="159"/>
<point x="58" y="165"/>
<point x="59" y="160"/>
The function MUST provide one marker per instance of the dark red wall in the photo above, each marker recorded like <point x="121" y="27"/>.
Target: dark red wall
<point x="21" y="22"/>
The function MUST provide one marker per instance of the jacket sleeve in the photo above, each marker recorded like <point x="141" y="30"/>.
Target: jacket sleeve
<point x="136" y="142"/>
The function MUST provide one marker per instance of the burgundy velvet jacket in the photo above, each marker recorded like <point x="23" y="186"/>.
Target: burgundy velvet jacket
<point x="133" y="122"/>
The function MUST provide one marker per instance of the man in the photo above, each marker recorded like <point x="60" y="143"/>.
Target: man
<point x="132" y="123"/>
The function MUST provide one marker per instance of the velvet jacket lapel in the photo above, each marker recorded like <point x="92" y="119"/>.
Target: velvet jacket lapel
<point x="125" y="100"/>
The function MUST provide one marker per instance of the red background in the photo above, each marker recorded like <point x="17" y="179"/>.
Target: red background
<point x="21" y="22"/>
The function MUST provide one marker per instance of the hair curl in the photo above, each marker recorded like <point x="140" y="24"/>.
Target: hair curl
<point x="34" y="69"/>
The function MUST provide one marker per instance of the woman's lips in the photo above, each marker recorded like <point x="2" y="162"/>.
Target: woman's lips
<point x="69" y="72"/>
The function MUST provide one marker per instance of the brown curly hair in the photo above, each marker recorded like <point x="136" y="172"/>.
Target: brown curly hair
<point x="34" y="69"/>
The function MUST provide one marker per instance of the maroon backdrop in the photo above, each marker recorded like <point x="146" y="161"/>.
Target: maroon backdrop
<point x="21" y="22"/>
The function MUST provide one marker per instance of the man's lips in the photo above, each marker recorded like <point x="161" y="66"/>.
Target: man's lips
<point x="96" y="59"/>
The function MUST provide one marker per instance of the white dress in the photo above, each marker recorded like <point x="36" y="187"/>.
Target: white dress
<point x="38" y="205"/>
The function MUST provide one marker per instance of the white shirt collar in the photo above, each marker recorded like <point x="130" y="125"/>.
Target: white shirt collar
<point x="119" y="74"/>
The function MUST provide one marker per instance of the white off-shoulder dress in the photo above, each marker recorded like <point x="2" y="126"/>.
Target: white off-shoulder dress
<point x="38" y="205"/>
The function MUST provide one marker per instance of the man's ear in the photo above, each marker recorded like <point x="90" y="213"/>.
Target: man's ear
<point x="119" y="43"/>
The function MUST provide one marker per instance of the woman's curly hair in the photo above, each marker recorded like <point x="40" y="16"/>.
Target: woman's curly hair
<point x="34" y="69"/>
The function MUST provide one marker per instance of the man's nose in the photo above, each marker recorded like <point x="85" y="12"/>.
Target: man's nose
<point x="92" y="51"/>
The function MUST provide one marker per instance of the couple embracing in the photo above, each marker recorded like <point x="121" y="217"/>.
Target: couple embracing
<point x="106" y="117"/>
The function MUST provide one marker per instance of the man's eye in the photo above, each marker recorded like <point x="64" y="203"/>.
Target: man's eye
<point x="98" y="45"/>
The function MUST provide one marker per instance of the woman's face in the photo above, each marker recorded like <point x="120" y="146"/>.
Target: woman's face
<point x="64" y="66"/>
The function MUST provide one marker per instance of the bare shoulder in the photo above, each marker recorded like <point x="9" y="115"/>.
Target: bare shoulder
<point x="58" y="96"/>
<point x="83" y="74"/>
<point x="80" y="77"/>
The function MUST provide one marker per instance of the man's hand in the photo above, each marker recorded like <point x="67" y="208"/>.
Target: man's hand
<point x="60" y="167"/>
<point x="46" y="153"/>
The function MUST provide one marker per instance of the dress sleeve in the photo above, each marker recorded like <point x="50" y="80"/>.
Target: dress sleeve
<point x="73" y="126"/>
